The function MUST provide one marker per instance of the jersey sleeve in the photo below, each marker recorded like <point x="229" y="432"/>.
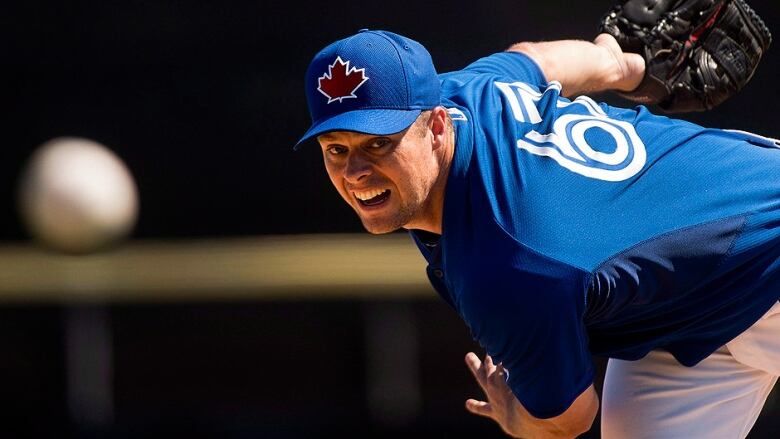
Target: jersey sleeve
<point x="514" y="66"/>
<point x="533" y="323"/>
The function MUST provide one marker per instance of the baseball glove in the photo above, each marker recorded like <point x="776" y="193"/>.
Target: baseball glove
<point x="697" y="52"/>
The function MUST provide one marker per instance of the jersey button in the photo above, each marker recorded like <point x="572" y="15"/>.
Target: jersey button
<point x="438" y="273"/>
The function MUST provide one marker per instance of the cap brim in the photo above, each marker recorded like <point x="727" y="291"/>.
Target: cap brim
<point x="380" y="122"/>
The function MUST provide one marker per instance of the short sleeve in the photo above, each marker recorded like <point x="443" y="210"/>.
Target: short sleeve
<point x="510" y="65"/>
<point x="532" y="322"/>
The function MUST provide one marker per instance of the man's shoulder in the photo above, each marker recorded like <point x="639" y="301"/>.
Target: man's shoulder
<point x="503" y="66"/>
<point x="508" y="64"/>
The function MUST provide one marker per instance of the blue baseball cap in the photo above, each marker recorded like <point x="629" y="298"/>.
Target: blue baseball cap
<point x="374" y="82"/>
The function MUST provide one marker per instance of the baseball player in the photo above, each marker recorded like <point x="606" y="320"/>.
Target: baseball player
<point x="561" y="228"/>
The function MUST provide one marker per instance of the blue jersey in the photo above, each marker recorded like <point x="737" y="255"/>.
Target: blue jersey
<point x="573" y="228"/>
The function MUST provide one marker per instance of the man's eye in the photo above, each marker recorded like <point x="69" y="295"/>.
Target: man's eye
<point x="378" y="143"/>
<point x="335" y="150"/>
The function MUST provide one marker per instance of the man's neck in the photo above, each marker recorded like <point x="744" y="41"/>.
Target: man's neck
<point x="433" y="212"/>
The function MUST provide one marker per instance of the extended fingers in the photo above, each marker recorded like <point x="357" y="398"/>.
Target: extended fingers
<point x="481" y="369"/>
<point x="486" y="372"/>
<point x="492" y="379"/>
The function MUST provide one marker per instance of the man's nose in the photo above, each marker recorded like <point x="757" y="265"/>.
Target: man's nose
<point x="357" y="167"/>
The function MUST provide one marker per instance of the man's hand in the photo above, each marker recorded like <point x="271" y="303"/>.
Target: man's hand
<point x="698" y="52"/>
<point x="503" y="407"/>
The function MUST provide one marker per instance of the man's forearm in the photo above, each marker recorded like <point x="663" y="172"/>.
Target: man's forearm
<point x="528" y="427"/>
<point x="577" y="420"/>
<point x="583" y="67"/>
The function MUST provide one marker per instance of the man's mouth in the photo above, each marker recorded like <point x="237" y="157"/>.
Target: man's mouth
<point x="373" y="197"/>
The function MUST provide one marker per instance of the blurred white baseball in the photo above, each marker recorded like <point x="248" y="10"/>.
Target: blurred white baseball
<point x="77" y="196"/>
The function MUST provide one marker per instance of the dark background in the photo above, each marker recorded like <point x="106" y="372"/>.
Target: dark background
<point x="203" y="101"/>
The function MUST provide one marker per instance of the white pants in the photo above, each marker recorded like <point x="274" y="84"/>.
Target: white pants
<point x="719" y="398"/>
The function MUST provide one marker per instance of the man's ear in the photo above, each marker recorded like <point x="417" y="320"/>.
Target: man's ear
<point x="438" y="126"/>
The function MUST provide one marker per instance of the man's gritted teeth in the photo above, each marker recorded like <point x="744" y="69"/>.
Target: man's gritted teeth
<point x="371" y="197"/>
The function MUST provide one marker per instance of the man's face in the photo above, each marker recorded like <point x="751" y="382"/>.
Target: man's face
<point x="386" y="179"/>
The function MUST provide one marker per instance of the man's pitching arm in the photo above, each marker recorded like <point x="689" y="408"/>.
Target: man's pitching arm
<point x="503" y="407"/>
<point x="584" y="67"/>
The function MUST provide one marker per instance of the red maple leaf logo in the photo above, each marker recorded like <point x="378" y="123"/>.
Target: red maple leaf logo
<point x="341" y="81"/>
